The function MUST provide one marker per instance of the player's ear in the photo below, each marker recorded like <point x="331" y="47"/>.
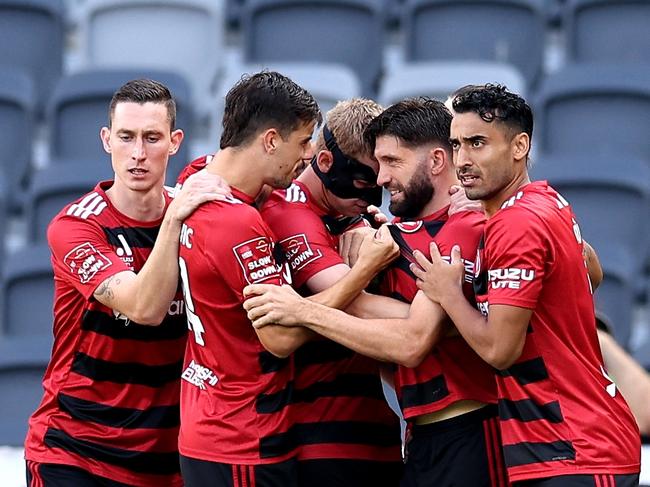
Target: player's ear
<point x="271" y="140"/>
<point x="520" y="146"/>
<point x="324" y="160"/>
<point x="105" y="135"/>
<point x="437" y="160"/>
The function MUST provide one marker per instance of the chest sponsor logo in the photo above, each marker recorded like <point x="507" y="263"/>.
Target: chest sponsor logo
<point x="85" y="261"/>
<point x="467" y="264"/>
<point x="298" y="251"/>
<point x="198" y="376"/>
<point x="484" y="308"/>
<point x="510" y="278"/>
<point x="256" y="260"/>
<point x="124" y="252"/>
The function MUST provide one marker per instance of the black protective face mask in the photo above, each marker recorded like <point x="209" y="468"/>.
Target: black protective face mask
<point x="344" y="170"/>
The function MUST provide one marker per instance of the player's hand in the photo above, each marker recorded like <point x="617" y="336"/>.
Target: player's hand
<point x="350" y="243"/>
<point x="199" y="188"/>
<point x="436" y="278"/>
<point x="267" y="304"/>
<point x="378" y="250"/>
<point x="459" y="201"/>
<point x="377" y="215"/>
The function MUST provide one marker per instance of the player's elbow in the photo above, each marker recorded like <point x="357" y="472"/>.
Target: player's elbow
<point x="147" y="316"/>
<point x="280" y="350"/>
<point x="411" y="357"/>
<point x="502" y="358"/>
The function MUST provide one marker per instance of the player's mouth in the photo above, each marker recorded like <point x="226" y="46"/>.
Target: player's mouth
<point x="138" y="171"/>
<point x="468" y="179"/>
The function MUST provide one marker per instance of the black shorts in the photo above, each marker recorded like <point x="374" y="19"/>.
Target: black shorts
<point x="55" y="475"/>
<point x="348" y="473"/>
<point x="201" y="473"/>
<point x="464" y="451"/>
<point x="600" y="480"/>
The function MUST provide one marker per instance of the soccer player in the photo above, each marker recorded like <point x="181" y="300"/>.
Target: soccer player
<point x="446" y="392"/>
<point x="110" y="411"/>
<point x="238" y="386"/>
<point x="563" y="421"/>
<point x="347" y="433"/>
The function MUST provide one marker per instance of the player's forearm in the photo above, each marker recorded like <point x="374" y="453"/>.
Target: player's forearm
<point x="346" y="289"/>
<point x="393" y="340"/>
<point x="157" y="281"/>
<point x="368" y="305"/>
<point x="282" y="341"/>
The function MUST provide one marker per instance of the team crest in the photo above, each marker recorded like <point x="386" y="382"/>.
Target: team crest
<point x="409" y="227"/>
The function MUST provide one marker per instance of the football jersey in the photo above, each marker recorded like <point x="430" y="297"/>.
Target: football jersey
<point x="560" y="413"/>
<point x="234" y="393"/>
<point x="111" y="400"/>
<point x="339" y="407"/>
<point x="452" y="371"/>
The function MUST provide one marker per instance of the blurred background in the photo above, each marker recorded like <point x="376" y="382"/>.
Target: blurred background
<point x="584" y="66"/>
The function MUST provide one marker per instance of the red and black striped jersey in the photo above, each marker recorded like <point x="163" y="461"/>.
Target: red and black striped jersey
<point x="452" y="371"/>
<point x="111" y="401"/>
<point x="560" y="412"/>
<point x="339" y="408"/>
<point x="235" y="395"/>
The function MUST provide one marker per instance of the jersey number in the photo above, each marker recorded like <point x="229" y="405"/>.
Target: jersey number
<point x="193" y="321"/>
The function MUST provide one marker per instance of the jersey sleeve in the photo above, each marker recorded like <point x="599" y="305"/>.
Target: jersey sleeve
<point x="246" y="253"/>
<point x="518" y="251"/>
<point x="81" y="254"/>
<point x="304" y="239"/>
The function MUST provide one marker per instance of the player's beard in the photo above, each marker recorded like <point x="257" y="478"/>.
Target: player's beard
<point x="416" y="194"/>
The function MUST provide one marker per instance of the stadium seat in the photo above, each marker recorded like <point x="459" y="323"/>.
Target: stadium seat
<point x="22" y="363"/>
<point x="609" y="31"/>
<point x="349" y="32"/>
<point x="27" y="291"/>
<point x="328" y="83"/>
<point x="440" y="79"/>
<point x="616" y="298"/>
<point x="31" y="39"/>
<point x="503" y="31"/>
<point x="18" y="102"/>
<point x="79" y="108"/>
<point x="600" y="109"/>
<point x="55" y="186"/>
<point x="186" y="36"/>
<point x="611" y="200"/>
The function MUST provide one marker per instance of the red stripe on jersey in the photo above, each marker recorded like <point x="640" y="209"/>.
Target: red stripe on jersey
<point x="235" y="476"/>
<point x="251" y="476"/>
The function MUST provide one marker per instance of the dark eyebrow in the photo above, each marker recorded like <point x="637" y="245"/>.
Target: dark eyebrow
<point x="474" y="138"/>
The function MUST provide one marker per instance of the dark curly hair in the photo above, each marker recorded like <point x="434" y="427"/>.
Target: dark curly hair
<point x="494" y="102"/>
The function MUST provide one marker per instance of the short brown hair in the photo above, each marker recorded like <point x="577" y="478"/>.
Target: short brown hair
<point x="348" y="121"/>
<point x="142" y="91"/>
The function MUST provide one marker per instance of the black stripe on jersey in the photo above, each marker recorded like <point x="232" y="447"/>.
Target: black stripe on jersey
<point x="346" y="432"/>
<point x="116" y="417"/>
<point x="137" y="461"/>
<point x="427" y="392"/>
<point x="137" y="237"/>
<point x="526" y="453"/>
<point x="527" y="372"/>
<point x="345" y="385"/>
<point x="528" y="410"/>
<point x="172" y="327"/>
<point x="433" y="227"/>
<point x="321" y="352"/>
<point x="365" y="433"/>
<point x="126" y="373"/>
<point x="269" y="363"/>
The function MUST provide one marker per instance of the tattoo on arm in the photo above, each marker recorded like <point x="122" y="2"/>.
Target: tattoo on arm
<point x="105" y="289"/>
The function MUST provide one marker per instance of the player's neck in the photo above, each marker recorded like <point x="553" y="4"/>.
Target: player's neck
<point x="141" y="206"/>
<point x="494" y="204"/>
<point x="316" y="189"/>
<point x="440" y="198"/>
<point x="236" y="168"/>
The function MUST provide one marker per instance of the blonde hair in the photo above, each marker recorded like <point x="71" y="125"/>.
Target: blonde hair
<point x="347" y="121"/>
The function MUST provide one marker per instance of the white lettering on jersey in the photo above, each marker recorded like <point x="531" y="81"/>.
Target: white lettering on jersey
<point x="295" y="195"/>
<point x="124" y="252"/>
<point x="197" y="375"/>
<point x="467" y="264"/>
<point x="298" y="251"/>
<point x="484" y="308"/>
<point x="85" y="261"/>
<point x="510" y="278"/>
<point x="186" y="236"/>
<point x="255" y="257"/>
<point x="176" y="307"/>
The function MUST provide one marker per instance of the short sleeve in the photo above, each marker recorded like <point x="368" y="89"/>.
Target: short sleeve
<point x="517" y="252"/>
<point x="246" y="253"/>
<point x="81" y="254"/>
<point x="307" y="244"/>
